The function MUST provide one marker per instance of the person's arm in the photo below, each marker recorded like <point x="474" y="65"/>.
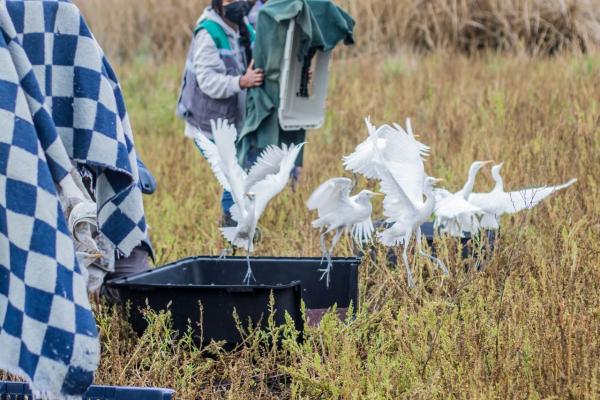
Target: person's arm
<point x="210" y="69"/>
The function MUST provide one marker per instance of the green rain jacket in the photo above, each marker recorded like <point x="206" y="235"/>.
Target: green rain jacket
<point x="323" y="26"/>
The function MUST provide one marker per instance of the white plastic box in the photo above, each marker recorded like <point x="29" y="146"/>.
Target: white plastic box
<point x="302" y="106"/>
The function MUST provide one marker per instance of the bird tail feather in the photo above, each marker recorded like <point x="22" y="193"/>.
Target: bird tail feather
<point x="390" y="237"/>
<point x="230" y="234"/>
<point x="489" y="221"/>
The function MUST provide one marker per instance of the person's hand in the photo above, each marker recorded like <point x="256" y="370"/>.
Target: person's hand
<point x="252" y="77"/>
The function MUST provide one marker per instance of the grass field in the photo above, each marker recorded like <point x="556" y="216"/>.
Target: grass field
<point x="527" y="327"/>
<point x="157" y="29"/>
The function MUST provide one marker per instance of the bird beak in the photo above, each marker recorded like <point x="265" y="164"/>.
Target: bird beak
<point x="378" y="194"/>
<point x="439" y="180"/>
<point x="488" y="162"/>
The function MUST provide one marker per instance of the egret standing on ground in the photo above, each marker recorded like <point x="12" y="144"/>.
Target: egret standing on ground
<point x="251" y="191"/>
<point x="395" y="157"/>
<point x="339" y="212"/>
<point x="498" y="202"/>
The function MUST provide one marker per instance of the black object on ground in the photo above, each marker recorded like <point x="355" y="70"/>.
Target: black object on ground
<point x="216" y="284"/>
<point x="21" y="391"/>
<point x="428" y="231"/>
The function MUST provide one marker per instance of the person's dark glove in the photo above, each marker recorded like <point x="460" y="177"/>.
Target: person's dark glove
<point x="146" y="181"/>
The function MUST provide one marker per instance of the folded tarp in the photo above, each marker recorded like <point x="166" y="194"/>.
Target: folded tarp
<point x="323" y="26"/>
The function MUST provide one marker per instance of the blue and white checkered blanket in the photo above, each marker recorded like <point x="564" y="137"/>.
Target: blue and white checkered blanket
<point x="47" y="330"/>
<point x="84" y="98"/>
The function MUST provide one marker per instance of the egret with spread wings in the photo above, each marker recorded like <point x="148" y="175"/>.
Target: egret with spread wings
<point x="453" y="212"/>
<point x="339" y="212"/>
<point x="251" y="191"/>
<point x="395" y="157"/>
<point x="398" y="150"/>
<point x="498" y="202"/>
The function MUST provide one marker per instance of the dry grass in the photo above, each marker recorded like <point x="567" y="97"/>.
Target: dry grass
<point x="527" y="327"/>
<point x="160" y="29"/>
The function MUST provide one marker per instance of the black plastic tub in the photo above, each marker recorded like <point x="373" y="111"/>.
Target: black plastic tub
<point x="216" y="285"/>
<point x="21" y="391"/>
<point x="468" y="250"/>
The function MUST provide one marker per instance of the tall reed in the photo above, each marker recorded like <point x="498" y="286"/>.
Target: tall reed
<point x="161" y="29"/>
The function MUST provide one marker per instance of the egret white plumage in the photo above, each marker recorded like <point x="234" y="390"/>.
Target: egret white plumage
<point x="398" y="150"/>
<point x="453" y="212"/>
<point x="498" y="202"/>
<point x="395" y="157"/>
<point x="251" y="191"/>
<point x="341" y="213"/>
<point x="407" y="216"/>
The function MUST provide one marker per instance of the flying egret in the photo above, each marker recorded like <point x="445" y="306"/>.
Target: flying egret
<point x="453" y="212"/>
<point x="251" y="191"/>
<point x="395" y="157"/>
<point x="498" y="202"/>
<point x="398" y="149"/>
<point x="341" y="213"/>
<point x="406" y="217"/>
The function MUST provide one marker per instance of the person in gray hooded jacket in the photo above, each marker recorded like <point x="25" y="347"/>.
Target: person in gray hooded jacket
<point x="219" y="68"/>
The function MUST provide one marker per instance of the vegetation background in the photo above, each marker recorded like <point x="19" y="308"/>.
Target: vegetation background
<point x="511" y="80"/>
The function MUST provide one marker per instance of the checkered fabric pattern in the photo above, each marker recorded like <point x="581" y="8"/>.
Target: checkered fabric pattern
<point x="86" y="103"/>
<point x="48" y="333"/>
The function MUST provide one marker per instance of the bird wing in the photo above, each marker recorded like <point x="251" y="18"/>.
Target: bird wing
<point x="399" y="150"/>
<point x="454" y="206"/>
<point x="272" y="184"/>
<point x="396" y="204"/>
<point x="405" y="158"/>
<point x="225" y="136"/>
<point x="362" y="232"/>
<point x="529" y="198"/>
<point x="364" y="158"/>
<point x="423" y="149"/>
<point x="210" y="151"/>
<point x="268" y="162"/>
<point x="490" y="204"/>
<point x="456" y="215"/>
<point x="441" y="194"/>
<point x="330" y="195"/>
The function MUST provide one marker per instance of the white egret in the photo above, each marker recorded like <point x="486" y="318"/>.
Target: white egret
<point x="453" y="212"/>
<point x="395" y="157"/>
<point x="398" y="150"/>
<point x="251" y="191"/>
<point x="341" y="213"/>
<point x="407" y="216"/>
<point x="498" y="202"/>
